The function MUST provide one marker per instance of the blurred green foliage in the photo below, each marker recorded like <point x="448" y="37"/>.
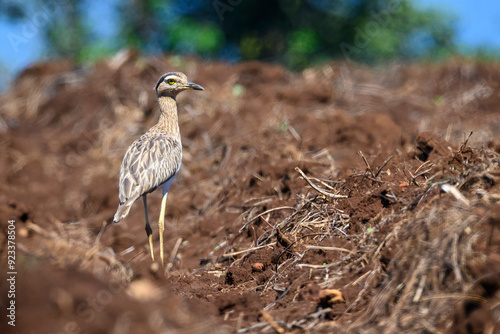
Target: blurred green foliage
<point x="297" y="33"/>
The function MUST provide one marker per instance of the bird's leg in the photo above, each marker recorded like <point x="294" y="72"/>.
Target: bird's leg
<point x="161" y="225"/>
<point x="149" y="232"/>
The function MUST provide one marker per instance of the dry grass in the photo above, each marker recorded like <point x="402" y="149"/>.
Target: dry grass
<point x="418" y="274"/>
<point x="74" y="246"/>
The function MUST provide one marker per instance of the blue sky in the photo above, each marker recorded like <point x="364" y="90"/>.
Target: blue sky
<point x="16" y="54"/>
<point x="478" y="25"/>
<point x="478" y="22"/>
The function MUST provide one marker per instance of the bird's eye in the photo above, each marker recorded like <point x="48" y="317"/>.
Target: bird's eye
<point x="171" y="81"/>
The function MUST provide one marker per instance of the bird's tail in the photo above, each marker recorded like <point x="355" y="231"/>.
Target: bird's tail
<point x="122" y="212"/>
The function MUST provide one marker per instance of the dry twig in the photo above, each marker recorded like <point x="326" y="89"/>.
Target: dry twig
<point x="318" y="189"/>
<point x="271" y="322"/>
<point x="368" y="168"/>
<point x="327" y="248"/>
<point x="249" y="250"/>
<point x="386" y="161"/>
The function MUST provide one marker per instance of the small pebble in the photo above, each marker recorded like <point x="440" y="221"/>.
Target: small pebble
<point x="257" y="266"/>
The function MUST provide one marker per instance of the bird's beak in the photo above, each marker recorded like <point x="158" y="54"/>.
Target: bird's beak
<point x="194" y="86"/>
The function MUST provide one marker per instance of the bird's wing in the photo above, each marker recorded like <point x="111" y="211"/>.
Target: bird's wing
<point x="148" y="163"/>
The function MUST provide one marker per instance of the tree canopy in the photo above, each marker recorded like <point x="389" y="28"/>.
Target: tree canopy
<point x="297" y="33"/>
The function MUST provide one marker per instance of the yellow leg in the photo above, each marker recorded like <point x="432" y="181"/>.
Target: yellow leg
<point x="151" y="247"/>
<point x="161" y="226"/>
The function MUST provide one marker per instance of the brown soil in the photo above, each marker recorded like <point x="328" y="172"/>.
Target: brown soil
<point x="412" y="246"/>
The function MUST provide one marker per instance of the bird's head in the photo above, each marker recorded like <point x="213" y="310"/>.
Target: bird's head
<point x="171" y="84"/>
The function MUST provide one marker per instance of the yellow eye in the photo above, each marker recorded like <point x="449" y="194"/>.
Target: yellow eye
<point x="171" y="81"/>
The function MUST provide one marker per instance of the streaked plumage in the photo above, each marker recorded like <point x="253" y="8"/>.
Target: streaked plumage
<point x="153" y="160"/>
<point x="146" y="166"/>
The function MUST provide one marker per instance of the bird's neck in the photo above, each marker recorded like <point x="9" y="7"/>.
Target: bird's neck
<point x="169" y="121"/>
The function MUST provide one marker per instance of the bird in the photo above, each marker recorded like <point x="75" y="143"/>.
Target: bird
<point x="154" y="159"/>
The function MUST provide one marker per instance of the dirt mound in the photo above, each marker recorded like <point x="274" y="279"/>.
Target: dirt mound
<point x="336" y="199"/>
